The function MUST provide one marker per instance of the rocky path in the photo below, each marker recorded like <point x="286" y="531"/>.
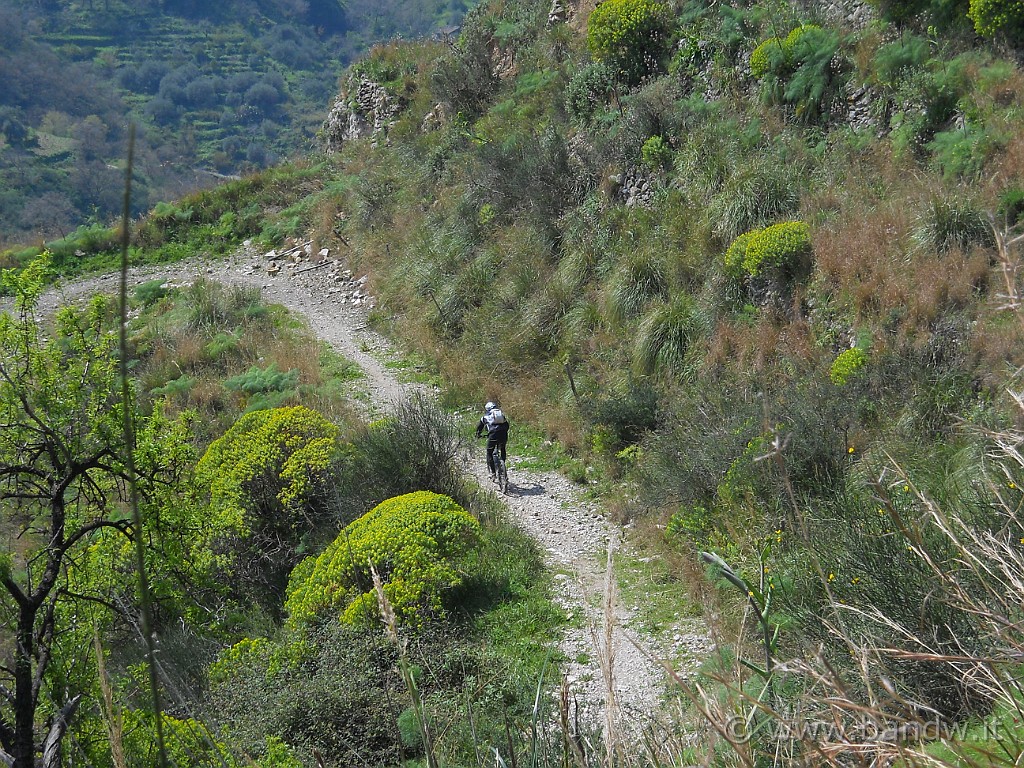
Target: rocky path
<point x="573" y="532"/>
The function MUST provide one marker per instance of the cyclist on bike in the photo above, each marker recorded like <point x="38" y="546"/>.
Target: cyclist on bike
<point x="496" y="424"/>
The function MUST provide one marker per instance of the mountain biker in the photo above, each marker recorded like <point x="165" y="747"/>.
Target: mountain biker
<point x="496" y="424"/>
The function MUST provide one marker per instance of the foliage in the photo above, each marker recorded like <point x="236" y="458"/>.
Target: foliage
<point x="415" y="448"/>
<point x="64" y="470"/>
<point x="415" y="542"/>
<point x="267" y="478"/>
<point x="589" y="90"/>
<point x="656" y="154"/>
<point x="665" y="336"/>
<point x="997" y="17"/>
<point x="464" y="80"/>
<point x="951" y="222"/>
<point x="630" y="35"/>
<point x="799" y="67"/>
<point x="847" y="364"/>
<point x="783" y="248"/>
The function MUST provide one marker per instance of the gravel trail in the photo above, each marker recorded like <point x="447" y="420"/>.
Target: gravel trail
<point x="572" y="531"/>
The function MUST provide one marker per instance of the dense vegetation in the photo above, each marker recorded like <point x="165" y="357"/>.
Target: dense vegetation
<point x="217" y="89"/>
<point x="753" y="268"/>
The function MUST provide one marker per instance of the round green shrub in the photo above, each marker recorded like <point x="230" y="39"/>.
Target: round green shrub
<point x="415" y="542"/>
<point x="736" y="254"/>
<point x="799" y="36"/>
<point x="270" y="463"/>
<point x="767" y="57"/>
<point x="781" y="247"/>
<point x="632" y="35"/>
<point x="998" y="17"/>
<point x="846" y="365"/>
<point x="656" y="153"/>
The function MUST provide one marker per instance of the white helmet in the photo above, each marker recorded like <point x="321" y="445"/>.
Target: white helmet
<point x="489" y="407"/>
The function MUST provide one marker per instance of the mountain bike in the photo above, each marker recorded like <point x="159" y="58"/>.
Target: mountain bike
<point x="500" y="475"/>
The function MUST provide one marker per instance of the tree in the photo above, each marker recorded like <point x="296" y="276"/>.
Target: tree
<point x="62" y="484"/>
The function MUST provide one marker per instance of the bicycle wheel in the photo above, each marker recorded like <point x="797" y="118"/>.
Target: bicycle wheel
<point x="502" y="473"/>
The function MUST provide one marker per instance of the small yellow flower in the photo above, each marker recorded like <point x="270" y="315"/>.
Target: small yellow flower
<point x="831" y="577"/>
<point x="851" y="449"/>
<point x="1011" y="486"/>
<point x="855" y="580"/>
<point x="906" y="488"/>
<point x="881" y="511"/>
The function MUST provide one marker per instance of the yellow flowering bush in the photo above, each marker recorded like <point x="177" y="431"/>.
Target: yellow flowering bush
<point x="415" y="542"/>
<point x="781" y="247"/>
<point x="270" y="462"/>
<point x="767" y="57"/>
<point x="846" y="365"/>
<point x="736" y="253"/>
<point x="994" y="17"/>
<point x="776" y="54"/>
<point x="632" y="35"/>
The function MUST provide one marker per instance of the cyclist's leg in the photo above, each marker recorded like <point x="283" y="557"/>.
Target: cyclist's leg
<point x="490" y="455"/>
<point x="503" y="442"/>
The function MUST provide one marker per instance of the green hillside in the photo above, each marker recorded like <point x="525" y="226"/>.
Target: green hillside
<point x="752" y="271"/>
<point x="217" y="90"/>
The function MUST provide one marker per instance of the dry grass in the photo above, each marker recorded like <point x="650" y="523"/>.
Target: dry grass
<point x="886" y="281"/>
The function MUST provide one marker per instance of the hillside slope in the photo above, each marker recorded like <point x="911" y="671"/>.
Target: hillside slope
<point x="217" y="90"/>
<point x="755" y="271"/>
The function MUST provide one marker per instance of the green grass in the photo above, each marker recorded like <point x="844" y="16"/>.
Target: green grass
<point x="656" y="594"/>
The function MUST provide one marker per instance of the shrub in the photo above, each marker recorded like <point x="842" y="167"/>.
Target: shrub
<point x="998" y="17"/>
<point x="846" y="365"/>
<point x="782" y="248"/>
<point x="802" y="63"/>
<point x="415" y="542"/>
<point x="631" y="35"/>
<point x="466" y="81"/>
<point x="768" y="56"/>
<point x="641" y="277"/>
<point x="1011" y="207"/>
<point x="259" y="380"/>
<point x="268" y="478"/>
<point x="665" y="336"/>
<point x="753" y="196"/>
<point x="415" y="448"/>
<point x="894" y="60"/>
<point x="736" y="253"/>
<point x="151" y="291"/>
<point x="588" y="90"/>
<point x="626" y="414"/>
<point x="656" y="153"/>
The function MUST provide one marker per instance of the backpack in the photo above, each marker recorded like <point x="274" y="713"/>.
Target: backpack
<point x="496" y="416"/>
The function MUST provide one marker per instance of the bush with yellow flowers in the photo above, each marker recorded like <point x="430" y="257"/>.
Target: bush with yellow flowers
<point x="416" y="542"/>
<point x="782" y="248"/>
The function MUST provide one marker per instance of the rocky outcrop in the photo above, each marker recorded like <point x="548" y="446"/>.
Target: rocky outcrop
<point x="634" y="187"/>
<point x="363" y="109"/>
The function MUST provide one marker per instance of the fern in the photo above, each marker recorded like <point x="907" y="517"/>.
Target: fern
<point x="259" y="380"/>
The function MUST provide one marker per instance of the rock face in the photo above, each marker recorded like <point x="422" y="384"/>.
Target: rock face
<point x="855" y="14"/>
<point x="362" y="109"/>
<point x="635" y="187"/>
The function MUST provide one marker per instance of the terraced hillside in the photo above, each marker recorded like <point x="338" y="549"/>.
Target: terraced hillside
<point x="216" y="92"/>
